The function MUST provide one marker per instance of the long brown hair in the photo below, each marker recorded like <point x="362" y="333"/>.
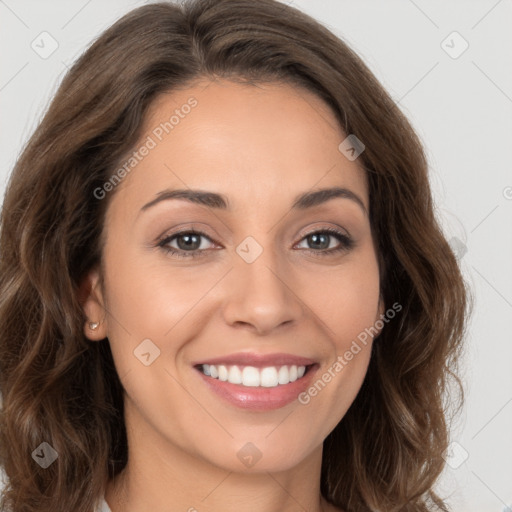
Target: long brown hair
<point x="59" y="388"/>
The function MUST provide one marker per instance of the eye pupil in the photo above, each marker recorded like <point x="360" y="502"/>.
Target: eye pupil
<point x="315" y="238"/>
<point x="191" y="241"/>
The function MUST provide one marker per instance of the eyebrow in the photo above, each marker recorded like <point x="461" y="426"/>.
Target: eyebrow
<point x="221" y="202"/>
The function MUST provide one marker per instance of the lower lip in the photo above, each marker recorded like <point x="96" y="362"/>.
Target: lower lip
<point x="259" y="398"/>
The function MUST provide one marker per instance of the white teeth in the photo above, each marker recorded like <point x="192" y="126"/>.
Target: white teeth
<point x="284" y="375"/>
<point x="250" y="377"/>
<point x="235" y="375"/>
<point x="223" y="373"/>
<point x="268" y="377"/>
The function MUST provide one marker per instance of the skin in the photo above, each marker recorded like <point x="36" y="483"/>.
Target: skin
<point x="261" y="146"/>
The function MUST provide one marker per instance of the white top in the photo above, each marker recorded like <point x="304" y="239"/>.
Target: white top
<point x="103" y="507"/>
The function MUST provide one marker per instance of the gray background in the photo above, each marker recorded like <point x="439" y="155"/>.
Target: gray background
<point x="461" y="106"/>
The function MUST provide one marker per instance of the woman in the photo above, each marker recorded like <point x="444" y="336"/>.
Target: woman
<point x="222" y="282"/>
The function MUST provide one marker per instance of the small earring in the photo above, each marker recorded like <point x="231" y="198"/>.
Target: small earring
<point x="93" y="326"/>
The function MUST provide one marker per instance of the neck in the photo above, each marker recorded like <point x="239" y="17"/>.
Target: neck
<point x="268" y="492"/>
<point x="161" y="476"/>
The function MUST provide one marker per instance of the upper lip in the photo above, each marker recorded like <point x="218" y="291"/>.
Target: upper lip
<point x="259" y="360"/>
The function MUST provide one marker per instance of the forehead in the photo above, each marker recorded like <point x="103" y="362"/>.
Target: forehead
<point x="252" y="140"/>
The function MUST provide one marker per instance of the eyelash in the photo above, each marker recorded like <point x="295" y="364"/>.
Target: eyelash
<point x="346" y="243"/>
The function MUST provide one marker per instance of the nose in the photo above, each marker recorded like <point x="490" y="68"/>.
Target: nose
<point x="260" y="296"/>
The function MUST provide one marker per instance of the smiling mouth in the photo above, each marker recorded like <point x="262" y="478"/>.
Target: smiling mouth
<point x="250" y="376"/>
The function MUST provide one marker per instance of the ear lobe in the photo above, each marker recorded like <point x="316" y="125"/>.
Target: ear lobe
<point x="382" y="307"/>
<point x="379" y="323"/>
<point x="90" y="295"/>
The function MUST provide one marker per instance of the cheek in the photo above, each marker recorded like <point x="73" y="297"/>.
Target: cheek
<point x="346" y="298"/>
<point x="152" y="296"/>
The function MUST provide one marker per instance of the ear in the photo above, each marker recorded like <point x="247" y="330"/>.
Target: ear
<point x="91" y="296"/>
<point x="378" y="318"/>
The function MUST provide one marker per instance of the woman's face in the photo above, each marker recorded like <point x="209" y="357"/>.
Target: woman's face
<point x="262" y="286"/>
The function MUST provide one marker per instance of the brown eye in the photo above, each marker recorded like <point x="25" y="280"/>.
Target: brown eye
<point x="319" y="242"/>
<point x="188" y="244"/>
<point x="188" y="241"/>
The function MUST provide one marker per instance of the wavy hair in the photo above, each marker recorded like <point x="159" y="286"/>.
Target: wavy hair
<point x="57" y="387"/>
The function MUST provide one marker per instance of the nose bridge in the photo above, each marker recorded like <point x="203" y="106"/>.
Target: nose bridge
<point x="259" y="293"/>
